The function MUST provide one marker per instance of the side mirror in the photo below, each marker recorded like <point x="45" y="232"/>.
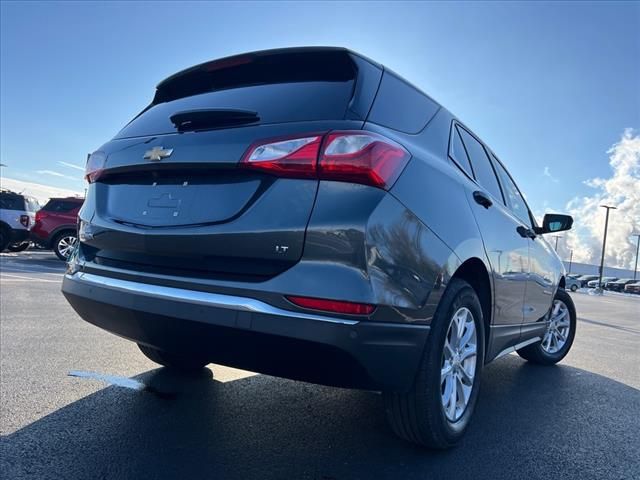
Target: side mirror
<point x="555" y="222"/>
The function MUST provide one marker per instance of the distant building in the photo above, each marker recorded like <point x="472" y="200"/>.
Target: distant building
<point x="586" y="269"/>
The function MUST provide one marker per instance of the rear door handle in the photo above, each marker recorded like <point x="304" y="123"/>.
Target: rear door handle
<point x="482" y="198"/>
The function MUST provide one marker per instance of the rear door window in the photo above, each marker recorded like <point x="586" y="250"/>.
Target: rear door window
<point x="512" y="194"/>
<point x="60" y="206"/>
<point x="485" y="175"/>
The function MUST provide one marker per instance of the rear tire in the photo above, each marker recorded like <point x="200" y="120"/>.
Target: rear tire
<point x="562" y="325"/>
<point x="423" y="415"/>
<point x="5" y="238"/>
<point x="64" y="243"/>
<point x="19" y="247"/>
<point x="574" y="287"/>
<point x="183" y="363"/>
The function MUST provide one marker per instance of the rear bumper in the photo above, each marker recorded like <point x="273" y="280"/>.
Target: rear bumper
<point x="247" y="333"/>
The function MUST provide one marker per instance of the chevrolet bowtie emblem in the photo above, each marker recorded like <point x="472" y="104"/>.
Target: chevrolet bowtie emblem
<point x="157" y="153"/>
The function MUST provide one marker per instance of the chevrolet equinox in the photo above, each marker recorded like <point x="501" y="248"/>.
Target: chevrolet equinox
<point x="307" y="213"/>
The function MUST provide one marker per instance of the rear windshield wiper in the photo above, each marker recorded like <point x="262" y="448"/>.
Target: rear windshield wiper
<point x="201" y="119"/>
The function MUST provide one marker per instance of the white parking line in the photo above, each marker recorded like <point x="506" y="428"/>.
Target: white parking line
<point x="7" y="276"/>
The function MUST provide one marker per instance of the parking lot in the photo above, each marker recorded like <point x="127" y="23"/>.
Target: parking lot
<point x="580" y="419"/>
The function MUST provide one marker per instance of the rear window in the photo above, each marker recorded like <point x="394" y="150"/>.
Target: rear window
<point x="60" y="206"/>
<point x="278" y="88"/>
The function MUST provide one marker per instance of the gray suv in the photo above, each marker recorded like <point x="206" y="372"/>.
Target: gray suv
<point x="308" y="213"/>
<point x="17" y="215"/>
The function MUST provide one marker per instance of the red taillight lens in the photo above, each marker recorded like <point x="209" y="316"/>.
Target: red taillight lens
<point x="351" y="156"/>
<point x="95" y="166"/>
<point x="24" y="220"/>
<point x="40" y="215"/>
<point x="290" y="157"/>
<point x="362" y="157"/>
<point x="334" y="306"/>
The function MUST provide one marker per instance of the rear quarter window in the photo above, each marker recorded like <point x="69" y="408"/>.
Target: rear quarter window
<point x="12" y="202"/>
<point x="400" y="106"/>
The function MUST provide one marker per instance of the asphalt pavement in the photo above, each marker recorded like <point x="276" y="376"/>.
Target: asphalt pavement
<point x="79" y="403"/>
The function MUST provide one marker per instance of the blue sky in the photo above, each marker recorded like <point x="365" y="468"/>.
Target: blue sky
<point x="549" y="86"/>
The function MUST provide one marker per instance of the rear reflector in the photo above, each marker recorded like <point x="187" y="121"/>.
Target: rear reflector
<point x="350" y="156"/>
<point x="334" y="306"/>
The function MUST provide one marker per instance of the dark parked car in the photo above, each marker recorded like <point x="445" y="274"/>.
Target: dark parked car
<point x="603" y="282"/>
<point x="618" y="285"/>
<point x="308" y="213"/>
<point x="632" y="287"/>
<point x="56" y="225"/>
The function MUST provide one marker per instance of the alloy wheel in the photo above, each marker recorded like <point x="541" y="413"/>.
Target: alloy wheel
<point x="66" y="245"/>
<point x="558" y="329"/>
<point x="458" y="364"/>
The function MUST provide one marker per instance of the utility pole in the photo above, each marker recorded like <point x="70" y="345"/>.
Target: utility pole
<point x="635" y="270"/>
<point x="604" y="243"/>
<point x="570" y="259"/>
<point x="557" y="237"/>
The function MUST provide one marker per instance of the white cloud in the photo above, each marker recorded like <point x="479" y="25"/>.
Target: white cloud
<point x="622" y="190"/>
<point x="71" y="165"/>
<point x="547" y="173"/>
<point x="56" y="174"/>
<point x="40" y="191"/>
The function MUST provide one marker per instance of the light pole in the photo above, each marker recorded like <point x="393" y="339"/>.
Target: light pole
<point x="635" y="270"/>
<point x="604" y="243"/>
<point x="570" y="259"/>
<point x="557" y="237"/>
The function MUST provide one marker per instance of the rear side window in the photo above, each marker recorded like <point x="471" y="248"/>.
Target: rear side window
<point x="515" y="202"/>
<point x="401" y="106"/>
<point x="485" y="175"/>
<point x="278" y="88"/>
<point x="11" y="202"/>
<point x="457" y="152"/>
<point x="60" y="206"/>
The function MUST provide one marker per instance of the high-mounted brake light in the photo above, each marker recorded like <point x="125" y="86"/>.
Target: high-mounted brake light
<point x="362" y="157"/>
<point x="95" y="166"/>
<point x="334" y="306"/>
<point x="349" y="156"/>
<point x="291" y="157"/>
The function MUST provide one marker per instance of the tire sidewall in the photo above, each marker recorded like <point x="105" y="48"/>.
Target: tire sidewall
<point x="463" y="296"/>
<point x="565" y="298"/>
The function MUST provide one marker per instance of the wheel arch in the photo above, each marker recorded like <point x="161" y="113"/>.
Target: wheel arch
<point x="562" y="282"/>
<point x="474" y="272"/>
<point x="61" y="229"/>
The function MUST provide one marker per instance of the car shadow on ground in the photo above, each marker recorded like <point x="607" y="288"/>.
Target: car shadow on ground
<point x="531" y="422"/>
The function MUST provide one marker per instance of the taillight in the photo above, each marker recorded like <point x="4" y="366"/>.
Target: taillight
<point x="334" y="306"/>
<point x="350" y="156"/>
<point x="24" y="220"/>
<point x="40" y="214"/>
<point x="95" y="166"/>
<point x="291" y="157"/>
<point x="362" y="157"/>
